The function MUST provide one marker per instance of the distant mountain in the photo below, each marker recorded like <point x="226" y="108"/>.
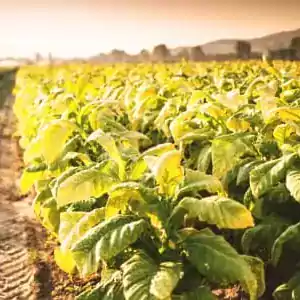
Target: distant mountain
<point x="223" y="49"/>
<point x="272" y="41"/>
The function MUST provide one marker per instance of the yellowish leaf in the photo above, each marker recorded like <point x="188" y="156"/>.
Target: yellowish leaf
<point x="237" y="125"/>
<point x="65" y="260"/>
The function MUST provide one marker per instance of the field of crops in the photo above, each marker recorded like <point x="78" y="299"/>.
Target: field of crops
<point x="172" y="181"/>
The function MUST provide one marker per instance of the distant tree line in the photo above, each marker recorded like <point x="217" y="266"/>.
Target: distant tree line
<point x="161" y="53"/>
<point x="292" y="52"/>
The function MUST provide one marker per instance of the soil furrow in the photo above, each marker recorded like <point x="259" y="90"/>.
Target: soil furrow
<point x="16" y="270"/>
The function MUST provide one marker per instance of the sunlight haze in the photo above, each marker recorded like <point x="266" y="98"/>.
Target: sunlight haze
<point x="84" y="28"/>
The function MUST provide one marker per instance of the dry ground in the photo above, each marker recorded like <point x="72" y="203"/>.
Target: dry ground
<point x="16" y="271"/>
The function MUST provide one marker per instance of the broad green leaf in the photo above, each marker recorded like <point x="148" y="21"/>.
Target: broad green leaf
<point x="109" y="145"/>
<point x="227" y="151"/>
<point x="42" y="184"/>
<point x="76" y="155"/>
<point x="120" y="197"/>
<point x="83" y="185"/>
<point x="74" y="225"/>
<point x="290" y="235"/>
<point x="64" y="260"/>
<point x="197" y="95"/>
<point x="86" y="243"/>
<point x="197" y="135"/>
<point x="282" y="132"/>
<point x="37" y="167"/>
<point x="267" y="104"/>
<point x="179" y="125"/>
<point x="199" y="181"/>
<point x="152" y="206"/>
<point x="145" y="94"/>
<point x="165" y="279"/>
<point x="283" y="292"/>
<point x="289" y="290"/>
<point x="293" y="183"/>
<point x="50" y="215"/>
<point x="56" y="132"/>
<point x="105" y="241"/>
<point x="237" y="125"/>
<point x="63" y="256"/>
<point x="119" y="239"/>
<point x="159" y="150"/>
<point x="287" y="113"/>
<point x="257" y="267"/>
<point x="232" y="99"/>
<point x="32" y="151"/>
<point x="82" y="206"/>
<point x="248" y="200"/>
<point x="110" y="289"/>
<point x="67" y="222"/>
<point x="69" y="147"/>
<point x="101" y="118"/>
<point x="106" y="142"/>
<point x="278" y="194"/>
<point x="267" y="175"/>
<point x="262" y="236"/>
<point x="144" y="279"/>
<point x="213" y="110"/>
<point x="204" y="159"/>
<point x="244" y="171"/>
<point x="165" y="114"/>
<point x="218" y="261"/>
<point x="220" y="211"/>
<point x="290" y="95"/>
<point x="108" y="273"/>
<point x="28" y="179"/>
<point x="39" y="200"/>
<point x="276" y="201"/>
<point x="167" y="170"/>
<point x="56" y="182"/>
<point x="231" y="176"/>
<point x="133" y="135"/>
<point x="138" y="169"/>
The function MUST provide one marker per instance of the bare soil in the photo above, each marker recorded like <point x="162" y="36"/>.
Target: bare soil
<point x="16" y="271"/>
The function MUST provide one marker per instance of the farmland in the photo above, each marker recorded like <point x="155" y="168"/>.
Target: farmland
<point x="172" y="181"/>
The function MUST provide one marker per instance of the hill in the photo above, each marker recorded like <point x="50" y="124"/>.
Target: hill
<point x="273" y="41"/>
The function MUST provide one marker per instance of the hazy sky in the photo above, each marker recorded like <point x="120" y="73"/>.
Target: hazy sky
<point x="87" y="27"/>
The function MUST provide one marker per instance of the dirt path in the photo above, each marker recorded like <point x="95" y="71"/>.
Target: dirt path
<point x="16" y="271"/>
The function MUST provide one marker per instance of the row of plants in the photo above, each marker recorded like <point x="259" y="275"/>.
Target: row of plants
<point x="171" y="180"/>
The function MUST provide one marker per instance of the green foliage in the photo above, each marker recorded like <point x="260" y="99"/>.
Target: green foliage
<point x="83" y="185"/>
<point x="105" y="241"/>
<point x="218" y="260"/>
<point x="289" y="237"/>
<point x="143" y="279"/>
<point x="227" y="151"/>
<point x="289" y="290"/>
<point x="220" y="211"/>
<point x="293" y="184"/>
<point x="173" y="180"/>
<point x="267" y="175"/>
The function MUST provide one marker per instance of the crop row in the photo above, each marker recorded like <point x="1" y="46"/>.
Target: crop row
<point x="171" y="180"/>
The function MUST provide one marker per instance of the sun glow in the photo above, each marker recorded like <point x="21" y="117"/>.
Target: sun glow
<point x="84" y="28"/>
